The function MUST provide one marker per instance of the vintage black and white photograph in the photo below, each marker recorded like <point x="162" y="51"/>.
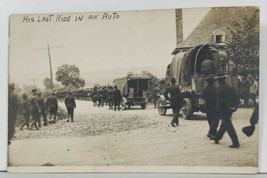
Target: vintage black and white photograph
<point x="173" y="90"/>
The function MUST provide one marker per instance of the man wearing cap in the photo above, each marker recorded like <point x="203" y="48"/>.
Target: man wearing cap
<point x="116" y="98"/>
<point x="110" y="97"/>
<point x="25" y="110"/>
<point x="35" y="109"/>
<point x="41" y="104"/>
<point x="175" y="100"/>
<point x="209" y="95"/>
<point x="70" y="105"/>
<point x="13" y="106"/>
<point x="227" y="102"/>
<point x="52" y="105"/>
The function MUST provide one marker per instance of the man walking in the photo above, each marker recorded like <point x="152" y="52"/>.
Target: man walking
<point x="35" y="109"/>
<point x="116" y="98"/>
<point x="25" y="110"/>
<point x="110" y="97"/>
<point x="209" y="95"/>
<point x="226" y="103"/>
<point x="52" y="105"/>
<point x="13" y="105"/>
<point x="41" y="104"/>
<point x="70" y="105"/>
<point x="175" y="100"/>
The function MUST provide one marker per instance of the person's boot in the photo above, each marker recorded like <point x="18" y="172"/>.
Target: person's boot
<point x="234" y="146"/>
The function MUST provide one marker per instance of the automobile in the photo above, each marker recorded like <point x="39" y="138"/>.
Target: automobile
<point x="185" y="67"/>
<point x="134" y="89"/>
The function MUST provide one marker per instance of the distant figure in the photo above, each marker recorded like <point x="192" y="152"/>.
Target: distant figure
<point x="70" y="105"/>
<point x="110" y="97"/>
<point x="35" y="110"/>
<point x="209" y="95"/>
<point x="41" y="104"/>
<point x="52" y="105"/>
<point x="13" y="105"/>
<point x="175" y="100"/>
<point x="155" y="94"/>
<point x="94" y="96"/>
<point x="25" y="110"/>
<point x="244" y="90"/>
<point x="227" y="103"/>
<point x="116" y="98"/>
<point x="100" y="96"/>
<point x="253" y="90"/>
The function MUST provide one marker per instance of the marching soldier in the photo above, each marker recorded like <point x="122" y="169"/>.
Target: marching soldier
<point x="100" y="95"/>
<point x="70" y="105"/>
<point x="209" y="95"/>
<point x="52" y="105"/>
<point x="226" y="103"/>
<point x="25" y="109"/>
<point x="94" y="96"/>
<point x="35" y="110"/>
<point x="175" y="100"/>
<point x="110" y="97"/>
<point x="41" y="104"/>
<point x="13" y="105"/>
<point x="116" y="98"/>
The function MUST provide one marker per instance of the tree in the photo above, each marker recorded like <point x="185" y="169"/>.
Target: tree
<point x="48" y="83"/>
<point x="153" y="82"/>
<point x="69" y="76"/>
<point x="242" y="49"/>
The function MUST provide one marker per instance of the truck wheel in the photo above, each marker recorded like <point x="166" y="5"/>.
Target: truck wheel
<point x="143" y="105"/>
<point x="186" y="109"/>
<point x="162" y="111"/>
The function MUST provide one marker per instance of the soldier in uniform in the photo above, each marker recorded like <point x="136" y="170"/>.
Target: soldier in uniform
<point x="116" y="98"/>
<point x="100" y="95"/>
<point x="41" y="104"/>
<point x="155" y="94"/>
<point x="13" y="105"/>
<point x="175" y="100"/>
<point x="227" y="102"/>
<point x="70" y="105"/>
<point x="110" y="97"/>
<point x="94" y="96"/>
<point x="25" y="110"/>
<point x="52" y="105"/>
<point x="209" y="95"/>
<point x="35" y="110"/>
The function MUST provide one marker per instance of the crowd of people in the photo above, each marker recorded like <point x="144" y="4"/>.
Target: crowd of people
<point x="36" y="107"/>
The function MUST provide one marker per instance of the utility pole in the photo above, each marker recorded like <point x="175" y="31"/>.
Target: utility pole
<point x="50" y="61"/>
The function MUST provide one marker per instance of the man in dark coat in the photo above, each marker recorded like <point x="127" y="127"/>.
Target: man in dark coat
<point x="175" y="100"/>
<point x="25" y="110"/>
<point x="94" y="96"/>
<point x="227" y="102"/>
<point x="209" y="95"/>
<point x="35" y="110"/>
<point x="52" y="105"/>
<point x="100" y="95"/>
<point x="116" y="98"/>
<point x="110" y="97"/>
<point x="13" y="105"/>
<point x="70" y="105"/>
<point x="41" y="104"/>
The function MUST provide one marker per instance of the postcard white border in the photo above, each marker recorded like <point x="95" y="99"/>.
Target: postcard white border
<point x="8" y="7"/>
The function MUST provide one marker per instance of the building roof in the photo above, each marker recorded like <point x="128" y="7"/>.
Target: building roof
<point x="217" y="21"/>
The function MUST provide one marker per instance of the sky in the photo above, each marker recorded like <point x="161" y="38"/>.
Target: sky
<point x="96" y="42"/>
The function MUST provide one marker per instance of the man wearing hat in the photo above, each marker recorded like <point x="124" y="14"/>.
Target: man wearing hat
<point x="35" y="109"/>
<point x="70" y="105"/>
<point x="25" y="110"/>
<point x="13" y="106"/>
<point x="41" y="104"/>
<point x="227" y="103"/>
<point x="175" y="100"/>
<point x="116" y="98"/>
<point x="52" y="105"/>
<point x="209" y="95"/>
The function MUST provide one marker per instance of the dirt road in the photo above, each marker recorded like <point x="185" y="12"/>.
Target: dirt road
<point x="134" y="137"/>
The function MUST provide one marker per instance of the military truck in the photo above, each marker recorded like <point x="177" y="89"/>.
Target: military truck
<point x="134" y="90"/>
<point x="185" y="67"/>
